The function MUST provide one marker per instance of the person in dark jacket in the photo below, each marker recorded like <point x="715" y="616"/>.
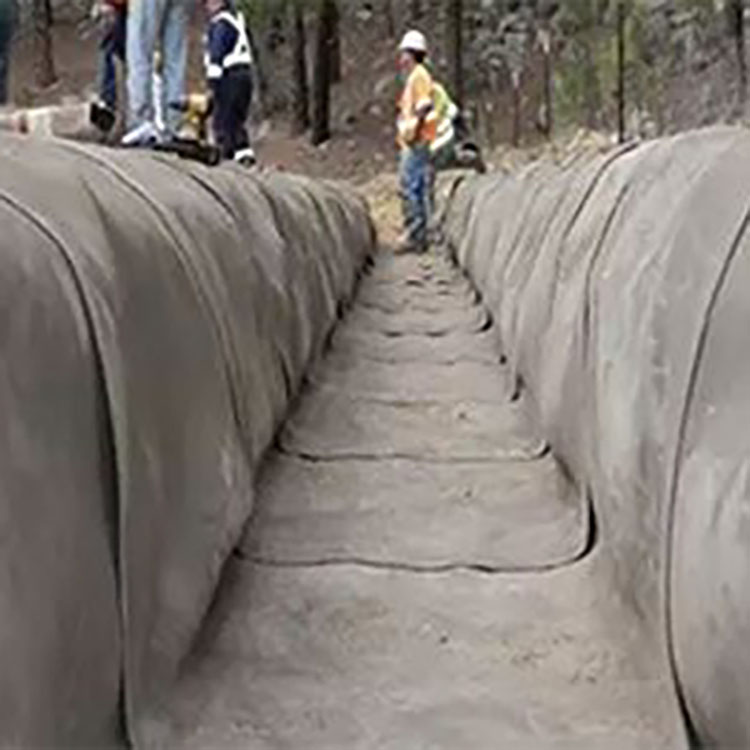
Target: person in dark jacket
<point x="229" y="69"/>
<point x="7" y="26"/>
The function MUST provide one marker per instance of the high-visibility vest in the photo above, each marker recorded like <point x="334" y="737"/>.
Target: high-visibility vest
<point x="408" y="121"/>
<point x="446" y="112"/>
<point x="241" y="53"/>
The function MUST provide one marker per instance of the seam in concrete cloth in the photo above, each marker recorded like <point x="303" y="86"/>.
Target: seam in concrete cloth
<point x="542" y="450"/>
<point x="591" y="539"/>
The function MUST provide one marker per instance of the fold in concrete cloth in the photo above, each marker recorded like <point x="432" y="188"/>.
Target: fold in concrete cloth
<point x="162" y="315"/>
<point x="413" y="515"/>
<point x="413" y="381"/>
<point x="350" y="342"/>
<point x="420" y="322"/>
<point x="329" y="425"/>
<point x="395" y="300"/>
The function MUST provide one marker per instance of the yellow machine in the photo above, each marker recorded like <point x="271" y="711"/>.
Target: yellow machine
<point x="196" y="110"/>
<point x="192" y="139"/>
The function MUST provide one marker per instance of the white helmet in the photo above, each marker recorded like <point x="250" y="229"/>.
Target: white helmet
<point x="413" y="41"/>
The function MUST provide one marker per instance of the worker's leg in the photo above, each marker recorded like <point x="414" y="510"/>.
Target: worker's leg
<point x="223" y="119"/>
<point x="120" y="33"/>
<point x="242" y="99"/>
<point x="174" y="56"/>
<point x="415" y="188"/>
<point x="432" y="169"/>
<point x="144" y="22"/>
<point x="424" y="182"/>
<point x="108" y="72"/>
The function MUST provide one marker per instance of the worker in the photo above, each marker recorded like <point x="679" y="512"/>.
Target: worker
<point x="113" y="16"/>
<point x="416" y="125"/>
<point x="8" y="11"/>
<point x="229" y="71"/>
<point x="155" y="25"/>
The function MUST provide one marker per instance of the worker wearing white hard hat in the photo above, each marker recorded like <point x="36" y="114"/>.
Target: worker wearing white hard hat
<point x="416" y="125"/>
<point x="414" y="41"/>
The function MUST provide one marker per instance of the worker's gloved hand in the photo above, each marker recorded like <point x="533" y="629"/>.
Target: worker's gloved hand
<point x="102" y="12"/>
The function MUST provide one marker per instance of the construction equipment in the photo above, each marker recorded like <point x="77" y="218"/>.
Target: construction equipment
<point x="192" y="140"/>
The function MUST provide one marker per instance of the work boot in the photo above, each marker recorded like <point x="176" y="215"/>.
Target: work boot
<point x="246" y="158"/>
<point x="404" y="245"/>
<point x="102" y="116"/>
<point x="145" y="135"/>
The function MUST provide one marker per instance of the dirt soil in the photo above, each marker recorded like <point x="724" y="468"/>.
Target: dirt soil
<point x="362" y="143"/>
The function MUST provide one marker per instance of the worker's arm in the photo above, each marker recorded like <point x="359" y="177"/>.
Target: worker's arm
<point x="221" y="40"/>
<point x="423" y="101"/>
<point x="422" y="114"/>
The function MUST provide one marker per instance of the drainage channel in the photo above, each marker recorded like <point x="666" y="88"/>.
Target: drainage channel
<point x="418" y="570"/>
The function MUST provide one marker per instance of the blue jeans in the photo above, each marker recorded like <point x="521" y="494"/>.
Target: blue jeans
<point x="152" y="25"/>
<point x="414" y="174"/>
<point x="112" y="47"/>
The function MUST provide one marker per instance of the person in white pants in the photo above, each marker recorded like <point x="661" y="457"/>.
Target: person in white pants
<point x="152" y="25"/>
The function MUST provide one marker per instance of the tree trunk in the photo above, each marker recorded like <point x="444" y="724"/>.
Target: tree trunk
<point x="390" y="21"/>
<point x="415" y="12"/>
<point x="516" y="83"/>
<point x="736" y="10"/>
<point x="321" y="115"/>
<point x="549" y="114"/>
<point x="336" y="63"/>
<point x="591" y="95"/>
<point x="301" y="106"/>
<point x="259" y="71"/>
<point x="621" y="134"/>
<point x="44" y="58"/>
<point x="454" y="43"/>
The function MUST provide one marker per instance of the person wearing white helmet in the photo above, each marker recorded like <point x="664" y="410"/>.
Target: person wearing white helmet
<point x="416" y="126"/>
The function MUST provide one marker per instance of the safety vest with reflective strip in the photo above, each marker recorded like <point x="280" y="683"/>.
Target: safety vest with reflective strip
<point x="408" y="119"/>
<point x="447" y="112"/>
<point x="241" y="53"/>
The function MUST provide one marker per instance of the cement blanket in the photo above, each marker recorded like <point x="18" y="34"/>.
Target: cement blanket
<point x="330" y="425"/>
<point x="475" y="515"/>
<point x="414" y="381"/>
<point x="162" y="318"/>
<point x="428" y="602"/>
<point x="618" y="284"/>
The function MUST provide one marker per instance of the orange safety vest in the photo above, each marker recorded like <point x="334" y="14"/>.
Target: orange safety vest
<point x="417" y="96"/>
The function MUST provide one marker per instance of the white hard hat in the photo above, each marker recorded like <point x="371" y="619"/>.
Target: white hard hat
<point x="413" y="41"/>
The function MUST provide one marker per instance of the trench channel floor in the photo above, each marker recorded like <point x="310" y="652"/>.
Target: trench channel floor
<point x="418" y="573"/>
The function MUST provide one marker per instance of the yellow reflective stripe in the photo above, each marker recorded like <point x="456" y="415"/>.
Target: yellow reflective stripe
<point x="443" y="139"/>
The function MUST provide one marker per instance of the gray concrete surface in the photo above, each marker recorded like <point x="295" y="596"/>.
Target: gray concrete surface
<point x="396" y="593"/>
<point x="618" y="287"/>
<point x="160" y="317"/>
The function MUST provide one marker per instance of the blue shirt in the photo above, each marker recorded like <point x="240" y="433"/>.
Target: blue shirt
<point x="227" y="45"/>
